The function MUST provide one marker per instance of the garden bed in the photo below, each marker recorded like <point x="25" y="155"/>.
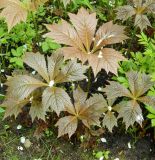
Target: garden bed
<point x="51" y="148"/>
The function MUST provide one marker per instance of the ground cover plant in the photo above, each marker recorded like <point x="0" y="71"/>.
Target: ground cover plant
<point x="79" y="70"/>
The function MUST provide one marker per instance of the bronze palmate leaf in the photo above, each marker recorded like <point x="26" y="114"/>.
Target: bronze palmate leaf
<point x="24" y="87"/>
<point x="139" y="10"/>
<point x="16" y="11"/>
<point x="84" y="42"/>
<point x="129" y="109"/>
<point x="88" y="111"/>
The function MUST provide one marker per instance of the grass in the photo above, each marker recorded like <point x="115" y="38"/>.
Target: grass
<point x="46" y="148"/>
<point x="49" y="147"/>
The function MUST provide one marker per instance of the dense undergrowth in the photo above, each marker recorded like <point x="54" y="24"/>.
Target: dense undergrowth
<point x="82" y="67"/>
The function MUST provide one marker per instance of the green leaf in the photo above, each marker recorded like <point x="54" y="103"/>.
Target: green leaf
<point x="2" y="96"/>
<point x="99" y="154"/>
<point x="45" y="46"/>
<point x="151" y="116"/>
<point x="18" y="52"/>
<point x="17" y="60"/>
<point x="1" y="110"/>
<point x="153" y="122"/>
<point x="150" y="109"/>
<point x="48" y="44"/>
<point x="123" y="80"/>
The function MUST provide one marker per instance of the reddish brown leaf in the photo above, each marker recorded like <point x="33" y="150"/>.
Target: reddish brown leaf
<point x="67" y="125"/>
<point x="88" y="111"/>
<point x="85" y="25"/>
<point x="13" y="12"/>
<point x="107" y="59"/>
<point x="82" y="42"/>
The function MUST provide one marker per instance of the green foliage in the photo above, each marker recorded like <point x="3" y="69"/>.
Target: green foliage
<point x="16" y="43"/>
<point x="1" y="107"/>
<point x="142" y="61"/>
<point x="16" y="57"/>
<point x="101" y="154"/>
<point x="151" y="115"/>
<point x="49" y="45"/>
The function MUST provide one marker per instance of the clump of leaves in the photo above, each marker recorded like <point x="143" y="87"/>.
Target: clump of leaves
<point x="44" y="93"/>
<point x="88" y="111"/>
<point x="139" y="9"/>
<point x="16" y="11"/>
<point x="85" y="44"/>
<point x="129" y="108"/>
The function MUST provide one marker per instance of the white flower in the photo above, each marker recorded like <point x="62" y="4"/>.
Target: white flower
<point x="100" y="54"/>
<point x="101" y="158"/>
<point x="129" y="145"/>
<point x="93" y="39"/>
<point x="109" y="108"/>
<point x="51" y="83"/>
<point x="116" y="159"/>
<point x="2" y="70"/>
<point x="86" y="79"/>
<point x="139" y="118"/>
<point x="31" y="98"/>
<point x="33" y="72"/>
<point x="111" y="3"/>
<point x="19" y="126"/>
<point x="103" y="140"/>
<point x="20" y="148"/>
<point x="93" y="2"/>
<point x="99" y="89"/>
<point x="22" y="140"/>
<point x="25" y="46"/>
<point x="39" y="44"/>
<point x="1" y="85"/>
<point x="73" y="85"/>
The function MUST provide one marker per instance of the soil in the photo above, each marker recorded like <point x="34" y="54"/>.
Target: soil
<point x="143" y="149"/>
<point x="51" y="148"/>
